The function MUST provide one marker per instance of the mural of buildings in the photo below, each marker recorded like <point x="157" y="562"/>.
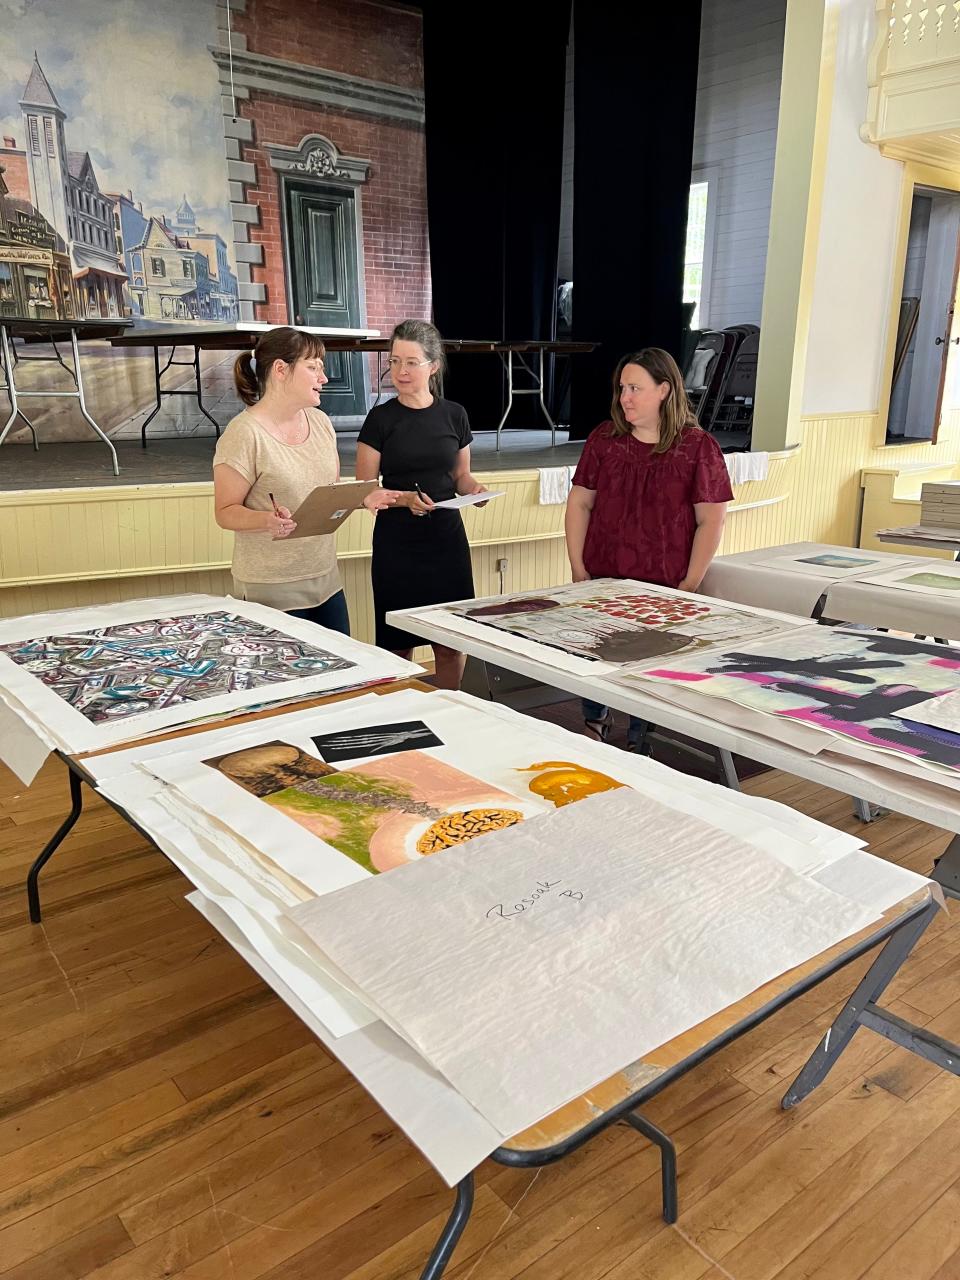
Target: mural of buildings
<point x="36" y="277"/>
<point x="175" y="270"/>
<point x="223" y="283"/>
<point x="64" y="188"/>
<point x="123" y="262"/>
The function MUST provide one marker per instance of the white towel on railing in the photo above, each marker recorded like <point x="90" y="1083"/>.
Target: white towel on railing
<point x="555" y="484"/>
<point x="747" y="466"/>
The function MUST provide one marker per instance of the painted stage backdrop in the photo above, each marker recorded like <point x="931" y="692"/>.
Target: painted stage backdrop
<point x="113" y="156"/>
<point x="164" y="161"/>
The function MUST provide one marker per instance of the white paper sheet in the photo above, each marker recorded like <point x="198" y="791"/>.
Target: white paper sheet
<point x="51" y="721"/>
<point x="468" y="500"/>
<point x="554" y="954"/>
<point x="826" y="564"/>
<point x="940" y="713"/>
<point x="940" y="578"/>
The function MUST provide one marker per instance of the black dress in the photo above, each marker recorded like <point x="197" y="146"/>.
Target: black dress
<point x="417" y="560"/>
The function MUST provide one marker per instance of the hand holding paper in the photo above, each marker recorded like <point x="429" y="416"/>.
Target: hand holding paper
<point x="479" y="499"/>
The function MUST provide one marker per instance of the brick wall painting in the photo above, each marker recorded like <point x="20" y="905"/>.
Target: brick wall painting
<point x="292" y="89"/>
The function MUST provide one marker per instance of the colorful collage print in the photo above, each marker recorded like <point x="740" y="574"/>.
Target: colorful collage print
<point x="118" y="671"/>
<point x="399" y="807"/>
<point x="855" y="684"/>
<point x="618" y="623"/>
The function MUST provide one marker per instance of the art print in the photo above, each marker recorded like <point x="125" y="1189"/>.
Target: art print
<point x="855" y="684"/>
<point x="376" y="740"/>
<point x="109" y="673"/>
<point x="617" y="622"/>
<point x="398" y="808"/>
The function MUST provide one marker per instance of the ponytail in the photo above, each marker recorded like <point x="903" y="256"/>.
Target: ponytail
<point x="282" y="343"/>
<point x="245" y="379"/>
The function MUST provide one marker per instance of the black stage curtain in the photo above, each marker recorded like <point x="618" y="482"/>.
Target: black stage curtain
<point x="494" y="86"/>
<point x="635" y="91"/>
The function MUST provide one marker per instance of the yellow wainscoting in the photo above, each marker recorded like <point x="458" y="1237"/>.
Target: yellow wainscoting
<point x="820" y="484"/>
<point x="64" y="548"/>
<point x="68" y="547"/>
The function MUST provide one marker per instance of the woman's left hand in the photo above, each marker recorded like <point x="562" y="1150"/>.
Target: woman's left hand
<point x="688" y="584"/>
<point x="480" y="488"/>
<point x="378" y="499"/>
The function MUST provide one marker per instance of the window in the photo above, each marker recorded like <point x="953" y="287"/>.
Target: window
<point x="698" y="251"/>
<point x="34" y="130"/>
<point x="48" y="136"/>
<point x="187" y="268"/>
<point x="137" y="262"/>
<point x="119" y="245"/>
<point x="158" y="267"/>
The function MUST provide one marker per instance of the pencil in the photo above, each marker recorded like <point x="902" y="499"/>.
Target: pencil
<point x="276" y="509"/>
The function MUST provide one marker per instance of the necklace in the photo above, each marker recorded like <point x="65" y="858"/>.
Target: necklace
<point x="299" y="435"/>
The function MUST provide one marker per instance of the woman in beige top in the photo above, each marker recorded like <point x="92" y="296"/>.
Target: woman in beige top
<point x="281" y="448"/>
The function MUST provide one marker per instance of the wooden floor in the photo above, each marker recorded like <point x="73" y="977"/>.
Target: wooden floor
<point x="163" y="1115"/>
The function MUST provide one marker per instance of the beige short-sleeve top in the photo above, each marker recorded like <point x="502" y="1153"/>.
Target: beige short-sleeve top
<point x="290" y="473"/>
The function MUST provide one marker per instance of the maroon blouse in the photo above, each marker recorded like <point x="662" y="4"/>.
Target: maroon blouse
<point x="643" y="522"/>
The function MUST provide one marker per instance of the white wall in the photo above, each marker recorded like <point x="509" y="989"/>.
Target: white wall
<point x="738" y="99"/>
<point x="858" y="231"/>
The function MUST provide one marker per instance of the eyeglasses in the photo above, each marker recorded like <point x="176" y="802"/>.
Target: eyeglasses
<point x="396" y="364"/>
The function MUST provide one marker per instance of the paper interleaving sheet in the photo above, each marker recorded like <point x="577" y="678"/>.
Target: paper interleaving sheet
<point x="537" y="962"/>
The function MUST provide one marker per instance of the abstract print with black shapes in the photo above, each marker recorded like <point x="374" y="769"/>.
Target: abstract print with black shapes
<point x="854" y="684"/>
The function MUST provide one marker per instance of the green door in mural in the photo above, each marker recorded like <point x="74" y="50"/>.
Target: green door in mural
<point x="321" y="228"/>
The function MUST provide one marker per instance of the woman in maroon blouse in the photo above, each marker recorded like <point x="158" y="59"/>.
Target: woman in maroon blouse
<point x="649" y="496"/>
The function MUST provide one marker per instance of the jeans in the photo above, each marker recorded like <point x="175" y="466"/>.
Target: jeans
<point x="332" y="614"/>
<point x="636" y="730"/>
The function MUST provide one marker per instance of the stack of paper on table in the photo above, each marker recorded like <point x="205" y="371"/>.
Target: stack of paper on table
<point x="930" y="532"/>
<point x="430" y="772"/>
<point x="940" y="504"/>
<point x="84" y="679"/>
<point x="539" y="962"/>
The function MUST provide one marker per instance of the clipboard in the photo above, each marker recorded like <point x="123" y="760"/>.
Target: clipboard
<point x="326" y="508"/>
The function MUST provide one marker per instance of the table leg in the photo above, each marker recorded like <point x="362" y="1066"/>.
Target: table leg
<point x="507" y="359"/>
<point x="52" y="845"/>
<point x="452" y="1231"/>
<point x="156" y="408"/>
<point x="83" y="407"/>
<point x="546" y="413"/>
<point x="15" y="410"/>
<point x="196" y="369"/>
<point x="668" y="1162"/>
<point x="861" y="1010"/>
<point x="729" y="769"/>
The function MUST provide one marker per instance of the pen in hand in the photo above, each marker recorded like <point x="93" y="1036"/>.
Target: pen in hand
<point x="421" y="495"/>
<point x="273" y="503"/>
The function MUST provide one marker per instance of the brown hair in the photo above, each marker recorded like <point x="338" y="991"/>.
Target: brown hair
<point x="675" y="412"/>
<point x="427" y="336"/>
<point x="252" y="369"/>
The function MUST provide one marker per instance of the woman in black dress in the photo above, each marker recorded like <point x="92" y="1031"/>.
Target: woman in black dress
<point x="420" y="444"/>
